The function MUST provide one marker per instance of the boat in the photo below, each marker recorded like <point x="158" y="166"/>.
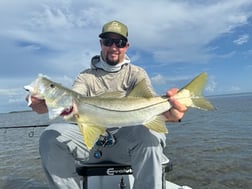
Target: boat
<point x="110" y="175"/>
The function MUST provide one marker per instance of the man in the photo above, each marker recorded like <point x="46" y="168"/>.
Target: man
<point x="62" y="145"/>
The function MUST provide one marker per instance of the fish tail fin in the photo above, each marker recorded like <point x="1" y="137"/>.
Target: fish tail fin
<point x="191" y="94"/>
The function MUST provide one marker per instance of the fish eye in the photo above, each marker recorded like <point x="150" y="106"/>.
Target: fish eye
<point x="52" y="85"/>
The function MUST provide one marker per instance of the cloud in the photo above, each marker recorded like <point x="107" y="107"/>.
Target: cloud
<point x="158" y="80"/>
<point x="241" y="40"/>
<point x="211" y="85"/>
<point x="162" y="83"/>
<point x="167" y="29"/>
<point x="58" y="38"/>
<point x="12" y="92"/>
<point x="235" y="88"/>
<point x="11" y="99"/>
<point x="174" y="30"/>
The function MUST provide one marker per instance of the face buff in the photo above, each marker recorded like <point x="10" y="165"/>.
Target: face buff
<point x="105" y="66"/>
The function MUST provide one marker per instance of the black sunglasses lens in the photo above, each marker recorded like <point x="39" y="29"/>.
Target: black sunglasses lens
<point x="120" y="43"/>
<point x="107" y="42"/>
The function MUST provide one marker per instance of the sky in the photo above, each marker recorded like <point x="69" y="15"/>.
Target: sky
<point x="173" y="40"/>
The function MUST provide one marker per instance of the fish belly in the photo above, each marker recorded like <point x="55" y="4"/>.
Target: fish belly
<point x="95" y="116"/>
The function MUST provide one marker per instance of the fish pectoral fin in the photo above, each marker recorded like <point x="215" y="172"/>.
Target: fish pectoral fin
<point x="157" y="124"/>
<point x="91" y="134"/>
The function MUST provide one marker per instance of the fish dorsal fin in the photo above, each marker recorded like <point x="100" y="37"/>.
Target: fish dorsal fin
<point x="91" y="134"/>
<point x="141" y="90"/>
<point x="157" y="124"/>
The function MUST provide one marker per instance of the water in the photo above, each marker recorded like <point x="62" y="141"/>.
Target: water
<point x="209" y="150"/>
<point x="213" y="150"/>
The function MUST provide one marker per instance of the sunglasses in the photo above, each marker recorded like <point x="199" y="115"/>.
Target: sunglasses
<point x="108" y="42"/>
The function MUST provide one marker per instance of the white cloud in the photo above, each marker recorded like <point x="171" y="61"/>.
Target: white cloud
<point x="242" y="39"/>
<point x="167" y="29"/>
<point x="173" y="30"/>
<point x="211" y="85"/>
<point x="158" y="80"/>
<point x="162" y="83"/>
<point x="58" y="38"/>
<point x="8" y="91"/>
<point x="235" y="88"/>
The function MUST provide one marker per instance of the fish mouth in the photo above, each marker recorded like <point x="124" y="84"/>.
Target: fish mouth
<point x="67" y="111"/>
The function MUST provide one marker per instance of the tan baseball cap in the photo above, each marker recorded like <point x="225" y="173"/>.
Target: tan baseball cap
<point x="114" y="27"/>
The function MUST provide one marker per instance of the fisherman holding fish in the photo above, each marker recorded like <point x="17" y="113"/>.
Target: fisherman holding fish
<point x="62" y="145"/>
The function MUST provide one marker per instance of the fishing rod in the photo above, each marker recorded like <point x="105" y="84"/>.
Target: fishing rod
<point x="30" y="134"/>
<point x="29" y="126"/>
<point x="24" y="126"/>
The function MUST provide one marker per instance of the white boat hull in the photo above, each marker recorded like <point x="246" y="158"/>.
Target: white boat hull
<point x="109" y="175"/>
<point x="113" y="182"/>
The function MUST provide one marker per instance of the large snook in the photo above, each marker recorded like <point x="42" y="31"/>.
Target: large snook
<point x="95" y="114"/>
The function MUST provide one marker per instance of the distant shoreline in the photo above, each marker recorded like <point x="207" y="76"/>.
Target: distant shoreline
<point x="229" y="95"/>
<point x="19" y="111"/>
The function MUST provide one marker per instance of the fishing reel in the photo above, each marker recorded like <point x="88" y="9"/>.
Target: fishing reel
<point x="102" y="142"/>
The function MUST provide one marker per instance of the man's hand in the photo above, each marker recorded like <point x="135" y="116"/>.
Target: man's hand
<point x="38" y="105"/>
<point x="177" y="111"/>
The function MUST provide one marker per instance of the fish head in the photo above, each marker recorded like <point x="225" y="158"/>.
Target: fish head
<point x="33" y="88"/>
<point x="59" y="99"/>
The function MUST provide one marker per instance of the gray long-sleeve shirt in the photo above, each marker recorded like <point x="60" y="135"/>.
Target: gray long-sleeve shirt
<point x="96" y="80"/>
